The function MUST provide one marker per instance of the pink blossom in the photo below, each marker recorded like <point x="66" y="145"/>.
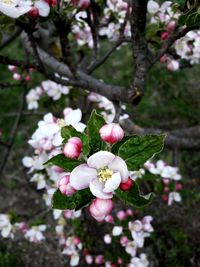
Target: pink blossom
<point x="73" y="147"/>
<point x="111" y="133"/>
<point x="100" y="208"/>
<point x="164" y="36"/>
<point x="127" y="185"/>
<point x="121" y="215"/>
<point x="109" y="218"/>
<point x="65" y="187"/>
<point x="99" y="259"/>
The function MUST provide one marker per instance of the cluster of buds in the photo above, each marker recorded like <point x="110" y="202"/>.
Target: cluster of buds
<point x="18" y="76"/>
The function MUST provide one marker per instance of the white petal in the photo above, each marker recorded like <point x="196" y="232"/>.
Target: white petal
<point x="43" y="8"/>
<point x="120" y="166"/>
<point x="81" y="176"/>
<point x="73" y="117"/>
<point x="100" y="159"/>
<point x="27" y="162"/>
<point x="80" y="127"/>
<point x="113" y="183"/>
<point x="74" y="260"/>
<point x="96" y="187"/>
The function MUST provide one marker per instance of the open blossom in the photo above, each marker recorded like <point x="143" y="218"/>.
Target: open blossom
<point x="174" y="196"/>
<point x="111" y="133"/>
<point x="73" y="147"/>
<point x="34" y="234"/>
<point x="73" y="117"/>
<point x="103" y="174"/>
<point x="100" y="208"/>
<point x="152" y="7"/>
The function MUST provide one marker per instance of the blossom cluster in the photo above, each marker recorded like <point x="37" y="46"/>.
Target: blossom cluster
<point x="49" y="88"/>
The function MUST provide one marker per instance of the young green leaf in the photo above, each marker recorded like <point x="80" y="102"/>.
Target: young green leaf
<point x="76" y="201"/>
<point x="138" y="149"/>
<point x="69" y="131"/>
<point x="133" y="197"/>
<point x="63" y="162"/>
<point x="95" y="122"/>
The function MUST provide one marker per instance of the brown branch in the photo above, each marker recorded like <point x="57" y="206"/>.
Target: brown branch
<point x="178" y="139"/>
<point x="139" y="48"/>
<point x="8" y="39"/>
<point x="14" y="131"/>
<point x="175" y="35"/>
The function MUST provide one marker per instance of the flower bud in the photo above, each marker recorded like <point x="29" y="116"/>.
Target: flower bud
<point x="165" y="198"/>
<point x="111" y="133"/>
<point x="171" y="26"/>
<point x="121" y="215"/>
<point x="99" y="260"/>
<point x="17" y="76"/>
<point x="127" y="185"/>
<point x="107" y="239"/>
<point x="73" y="147"/>
<point x="88" y="259"/>
<point x="117" y="230"/>
<point x="179" y="186"/>
<point x="100" y="208"/>
<point x="109" y="218"/>
<point x="164" y="36"/>
<point x="65" y="187"/>
<point x="33" y="13"/>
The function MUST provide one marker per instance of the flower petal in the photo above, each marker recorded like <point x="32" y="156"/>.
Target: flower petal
<point x="96" y="188"/>
<point x="43" y="8"/>
<point x="112" y="183"/>
<point x="100" y="159"/>
<point x="81" y="176"/>
<point x="73" y="117"/>
<point x="119" y="165"/>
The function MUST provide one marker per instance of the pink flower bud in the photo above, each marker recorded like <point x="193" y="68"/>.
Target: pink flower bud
<point x="127" y="185"/>
<point x="166" y="189"/>
<point x="121" y="215"/>
<point x="120" y="261"/>
<point x="73" y="148"/>
<point x="179" y="186"/>
<point x="164" y="36"/>
<point x="165" y="198"/>
<point x="171" y="26"/>
<point x="33" y="13"/>
<point x="107" y="239"/>
<point x="99" y="259"/>
<point x="163" y="59"/>
<point x="129" y="212"/>
<point x="124" y="240"/>
<point x="173" y="65"/>
<point x="88" y="259"/>
<point x="65" y="187"/>
<point x="111" y="133"/>
<point x="28" y="78"/>
<point x="100" y="208"/>
<point x="166" y="181"/>
<point x="17" y="76"/>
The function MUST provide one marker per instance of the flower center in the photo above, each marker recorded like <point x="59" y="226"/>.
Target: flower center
<point x="104" y="174"/>
<point x="8" y="2"/>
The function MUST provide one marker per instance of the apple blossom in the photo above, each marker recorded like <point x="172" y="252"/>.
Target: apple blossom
<point x="152" y="7"/>
<point x="99" y="260"/>
<point x="109" y="218"/>
<point x="164" y="36"/>
<point x="72" y="149"/>
<point x="35" y="233"/>
<point x="107" y="239"/>
<point x="103" y="174"/>
<point x="15" y="8"/>
<point x="174" y="196"/>
<point x="111" y="133"/>
<point x="89" y="259"/>
<point x="121" y="215"/>
<point x="5" y="226"/>
<point x="65" y="187"/>
<point x="100" y="208"/>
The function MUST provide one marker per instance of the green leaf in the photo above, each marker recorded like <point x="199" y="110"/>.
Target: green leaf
<point x="69" y="131"/>
<point x="64" y="162"/>
<point x="138" y="149"/>
<point x="76" y="201"/>
<point x="116" y="146"/>
<point x="95" y="122"/>
<point x="191" y="18"/>
<point x="133" y="197"/>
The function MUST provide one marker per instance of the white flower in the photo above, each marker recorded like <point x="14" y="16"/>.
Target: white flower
<point x="5" y="226"/>
<point x="134" y="175"/>
<point x="103" y="174"/>
<point x="172" y="173"/>
<point x="117" y="230"/>
<point x="15" y="8"/>
<point x="131" y="248"/>
<point x="152" y="7"/>
<point x="34" y="234"/>
<point x="73" y="117"/>
<point x="174" y="196"/>
<point x="40" y="180"/>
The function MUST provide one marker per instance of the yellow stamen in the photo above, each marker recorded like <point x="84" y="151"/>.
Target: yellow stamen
<point x="104" y="174"/>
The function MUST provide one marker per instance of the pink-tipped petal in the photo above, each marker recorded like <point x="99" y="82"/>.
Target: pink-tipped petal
<point x="81" y="176"/>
